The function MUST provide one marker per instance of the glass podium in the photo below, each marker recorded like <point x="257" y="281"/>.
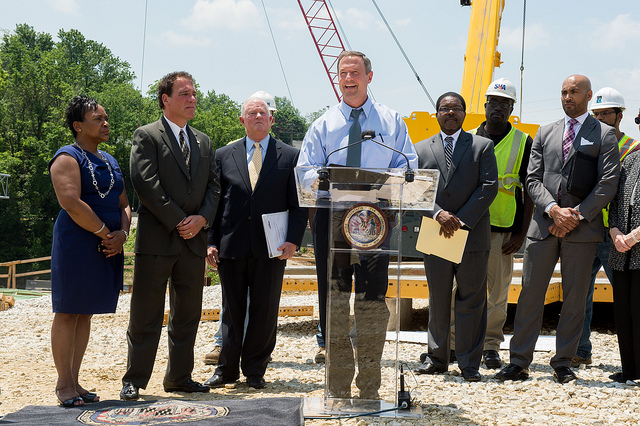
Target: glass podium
<point x="357" y="229"/>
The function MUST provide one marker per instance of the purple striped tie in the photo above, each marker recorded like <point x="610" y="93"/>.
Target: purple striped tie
<point x="567" y="141"/>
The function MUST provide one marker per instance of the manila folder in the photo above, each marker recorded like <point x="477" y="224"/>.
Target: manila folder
<point x="275" y="231"/>
<point x="431" y="242"/>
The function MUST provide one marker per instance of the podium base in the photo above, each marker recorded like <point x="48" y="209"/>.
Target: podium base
<point x="334" y="407"/>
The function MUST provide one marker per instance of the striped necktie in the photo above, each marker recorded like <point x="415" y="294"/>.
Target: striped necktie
<point x="567" y="141"/>
<point x="448" y="150"/>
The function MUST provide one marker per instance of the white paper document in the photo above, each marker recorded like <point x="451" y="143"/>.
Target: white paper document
<point x="275" y="231"/>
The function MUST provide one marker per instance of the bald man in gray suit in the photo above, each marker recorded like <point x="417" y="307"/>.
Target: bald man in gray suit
<point x="567" y="224"/>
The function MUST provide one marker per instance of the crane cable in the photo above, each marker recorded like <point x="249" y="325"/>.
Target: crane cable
<point x="524" y="16"/>
<point x="278" y="54"/>
<point x="404" y="54"/>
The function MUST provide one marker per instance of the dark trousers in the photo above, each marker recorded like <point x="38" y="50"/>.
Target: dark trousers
<point x="626" y="299"/>
<point x="262" y="279"/>
<point x="185" y="273"/>
<point x="470" y="307"/>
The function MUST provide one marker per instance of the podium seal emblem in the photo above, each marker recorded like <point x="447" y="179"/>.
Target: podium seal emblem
<point x="364" y="226"/>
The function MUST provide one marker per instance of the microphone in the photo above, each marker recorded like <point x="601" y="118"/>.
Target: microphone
<point x="367" y="135"/>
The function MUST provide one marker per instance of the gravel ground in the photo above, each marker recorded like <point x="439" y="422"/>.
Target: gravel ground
<point x="28" y="375"/>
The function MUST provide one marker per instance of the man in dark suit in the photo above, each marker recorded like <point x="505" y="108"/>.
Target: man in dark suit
<point x="566" y="224"/>
<point x="467" y="186"/>
<point x="257" y="178"/>
<point x="173" y="174"/>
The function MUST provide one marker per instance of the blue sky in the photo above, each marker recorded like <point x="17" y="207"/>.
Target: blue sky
<point x="227" y="46"/>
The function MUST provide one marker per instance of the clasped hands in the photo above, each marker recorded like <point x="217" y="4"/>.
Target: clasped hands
<point x="113" y="242"/>
<point x="621" y="241"/>
<point x="565" y="219"/>
<point x="449" y="223"/>
<point x="190" y="226"/>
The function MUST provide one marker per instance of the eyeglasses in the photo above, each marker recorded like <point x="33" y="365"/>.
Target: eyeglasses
<point x="445" y="110"/>
<point x="495" y="104"/>
<point x="603" y="113"/>
<point x="638" y="119"/>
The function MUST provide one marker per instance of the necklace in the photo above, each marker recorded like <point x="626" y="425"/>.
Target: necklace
<point x="93" y="176"/>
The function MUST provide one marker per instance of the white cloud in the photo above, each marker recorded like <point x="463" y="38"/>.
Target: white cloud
<point x="399" y="23"/>
<point x="66" y="6"/>
<point x="223" y="14"/>
<point x="356" y="19"/>
<point x="535" y="36"/>
<point x="182" y="40"/>
<point x="621" y="34"/>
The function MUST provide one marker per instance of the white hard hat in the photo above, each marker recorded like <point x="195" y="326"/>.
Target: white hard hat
<point x="503" y="88"/>
<point x="607" y="97"/>
<point x="267" y="98"/>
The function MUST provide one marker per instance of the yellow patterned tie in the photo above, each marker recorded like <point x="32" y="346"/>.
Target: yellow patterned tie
<point x="255" y="165"/>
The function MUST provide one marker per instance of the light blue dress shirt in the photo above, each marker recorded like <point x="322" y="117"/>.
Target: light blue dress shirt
<point x="331" y="131"/>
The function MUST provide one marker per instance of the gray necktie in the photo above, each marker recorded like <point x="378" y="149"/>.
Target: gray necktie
<point x="448" y="150"/>
<point x="185" y="150"/>
<point x="354" y="152"/>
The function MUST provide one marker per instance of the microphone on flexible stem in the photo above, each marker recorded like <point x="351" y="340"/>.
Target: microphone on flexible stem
<point x="404" y="398"/>
<point x="367" y="135"/>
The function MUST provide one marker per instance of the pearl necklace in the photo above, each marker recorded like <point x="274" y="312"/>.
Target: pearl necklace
<point x="93" y="176"/>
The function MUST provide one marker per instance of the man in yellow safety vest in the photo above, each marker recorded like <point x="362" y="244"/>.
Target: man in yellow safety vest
<point x="510" y="212"/>
<point x="606" y="106"/>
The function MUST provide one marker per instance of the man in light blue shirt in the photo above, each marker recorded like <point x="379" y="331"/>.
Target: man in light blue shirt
<point x="331" y="131"/>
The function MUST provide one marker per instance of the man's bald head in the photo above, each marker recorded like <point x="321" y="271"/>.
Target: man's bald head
<point x="576" y="94"/>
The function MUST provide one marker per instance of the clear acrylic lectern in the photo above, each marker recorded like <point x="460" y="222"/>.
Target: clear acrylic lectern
<point x="360" y="216"/>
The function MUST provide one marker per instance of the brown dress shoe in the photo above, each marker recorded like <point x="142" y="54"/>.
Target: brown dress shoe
<point x="212" y="357"/>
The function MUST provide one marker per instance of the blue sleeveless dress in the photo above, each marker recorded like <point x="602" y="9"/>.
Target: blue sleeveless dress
<point x="83" y="280"/>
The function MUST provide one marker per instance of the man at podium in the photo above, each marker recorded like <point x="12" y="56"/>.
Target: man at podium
<point x="341" y="126"/>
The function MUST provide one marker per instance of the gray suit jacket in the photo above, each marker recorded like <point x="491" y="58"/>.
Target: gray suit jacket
<point x="547" y="174"/>
<point x="470" y="185"/>
<point x="167" y="192"/>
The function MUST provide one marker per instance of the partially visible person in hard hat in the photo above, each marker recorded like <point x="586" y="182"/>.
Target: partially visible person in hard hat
<point x="607" y="106"/>
<point x="212" y="357"/>
<point x="510" y="212"/>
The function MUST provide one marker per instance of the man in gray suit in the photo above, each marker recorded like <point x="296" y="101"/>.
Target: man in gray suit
<point x="467" y="186"/>
<point x="173" y="172"/>
<point x="567" y="224"/>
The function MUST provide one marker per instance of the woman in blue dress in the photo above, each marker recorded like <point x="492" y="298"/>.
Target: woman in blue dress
<point x="86" y="258"/>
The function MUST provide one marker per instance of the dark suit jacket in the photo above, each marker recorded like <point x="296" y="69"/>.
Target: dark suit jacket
<point x="469" y="187"/>
<point x="238" y="224"/>
<point x="547" y="173"/>
<point x="167" y="192"/>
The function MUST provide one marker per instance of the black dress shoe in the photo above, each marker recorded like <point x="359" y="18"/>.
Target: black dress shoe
<point x="618" y="377"/>
<point x="428" y="367"/>
<point x="492" y="359"/>
<point x="563" y="375"/>
<point x="129" y="392"/>
<point x="452" y="357"/>
<point x="256" y="382"/>
<point x="512" y="372"/>
<point x="471" y="374"/>
<point x="188" y="386"/>
<point x="218" y="380"/>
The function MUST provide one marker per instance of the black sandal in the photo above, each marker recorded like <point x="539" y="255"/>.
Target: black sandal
<point x="90" y="397"/>
<point x="75" y="401"/>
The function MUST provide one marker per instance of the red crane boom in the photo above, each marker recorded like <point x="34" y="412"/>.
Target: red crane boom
<point x="325" y="36"/>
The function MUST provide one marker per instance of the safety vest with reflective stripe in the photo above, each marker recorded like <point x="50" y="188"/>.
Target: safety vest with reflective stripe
<point x="509" y="153"/>
<point x="626" y="146"/>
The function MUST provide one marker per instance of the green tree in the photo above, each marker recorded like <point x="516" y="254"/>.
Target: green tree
<point x="289" y="124"/>
<point x="217" y="116"/>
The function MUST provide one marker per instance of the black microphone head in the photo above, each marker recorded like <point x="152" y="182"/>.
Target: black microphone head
<point x="368" y="134"/>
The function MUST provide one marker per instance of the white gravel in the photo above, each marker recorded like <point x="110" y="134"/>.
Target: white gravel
<point x="28" y="375"/>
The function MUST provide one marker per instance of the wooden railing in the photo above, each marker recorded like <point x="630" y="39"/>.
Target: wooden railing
<point x="12" y="274"/>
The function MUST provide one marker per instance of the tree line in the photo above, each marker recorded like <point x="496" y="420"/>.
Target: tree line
<point x="38" y="76"/>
